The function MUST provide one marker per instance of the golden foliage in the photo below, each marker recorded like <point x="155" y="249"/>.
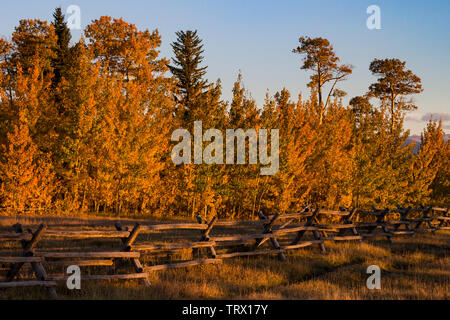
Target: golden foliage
<point x="98" y="139"/>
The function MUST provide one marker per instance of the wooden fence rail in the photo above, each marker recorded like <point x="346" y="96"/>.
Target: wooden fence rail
<point x="28" y="240"/>
<point x="273" y="234"/>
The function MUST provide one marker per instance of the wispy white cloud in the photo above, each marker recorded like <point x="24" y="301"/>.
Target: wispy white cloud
<point x="412" y="119"/>
<point x="443" y="116"/>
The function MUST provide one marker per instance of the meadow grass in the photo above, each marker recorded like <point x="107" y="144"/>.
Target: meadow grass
<point x="411" y="268"/>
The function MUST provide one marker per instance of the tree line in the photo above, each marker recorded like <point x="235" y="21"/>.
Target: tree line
<point x="87" y="126"/>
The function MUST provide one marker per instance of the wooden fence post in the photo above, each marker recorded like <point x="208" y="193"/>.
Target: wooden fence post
<point x="127" y="247"/>
<point x="404" y="219"/>
<point x="348" y="219"/>
<point x="268" y="229"/>
<point x="38" y="268"/>
<point x="425" y="211"/>
<point x="205" y="235"/>
<point x="381" y="215"/>
<point x="310" y="221"/>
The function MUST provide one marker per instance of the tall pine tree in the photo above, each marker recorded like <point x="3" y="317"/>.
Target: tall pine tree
<point x="188" y="51"/>
<point x="62" y="49"/>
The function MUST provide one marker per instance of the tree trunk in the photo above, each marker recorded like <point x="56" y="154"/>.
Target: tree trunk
<point x="319" y="92"/>
<point x="392" y="112"/>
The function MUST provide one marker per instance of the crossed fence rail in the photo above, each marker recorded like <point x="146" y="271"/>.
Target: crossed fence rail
<point x="281" y="232"/>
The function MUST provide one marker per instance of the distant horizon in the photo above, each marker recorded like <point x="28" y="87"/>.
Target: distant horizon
<point x="256" y="38"/>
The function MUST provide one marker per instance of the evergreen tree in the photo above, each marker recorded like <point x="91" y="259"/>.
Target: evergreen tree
<point x="62" y="48"/>
<point x="394" y="82"/>
<point x="321" y="59"/>
<point x="188" y="51"/>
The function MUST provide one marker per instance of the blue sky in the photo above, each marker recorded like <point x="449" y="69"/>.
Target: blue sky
<point x="257" y="36"/>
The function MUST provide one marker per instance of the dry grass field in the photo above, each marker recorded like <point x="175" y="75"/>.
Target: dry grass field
<point x="412" y="268"/>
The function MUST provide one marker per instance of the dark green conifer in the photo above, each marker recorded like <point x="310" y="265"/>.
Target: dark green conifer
<point x="186" y="68"/>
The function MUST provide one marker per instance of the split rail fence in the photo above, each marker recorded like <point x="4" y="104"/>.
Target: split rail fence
<point x="274" y="234"/>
